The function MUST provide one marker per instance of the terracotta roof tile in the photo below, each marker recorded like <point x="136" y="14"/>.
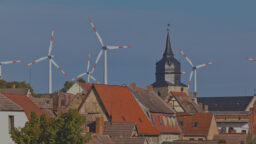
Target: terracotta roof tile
<point x="165" y="124"/>
<point x="24" y="102"/>
<point x="201" y="120"/>
<point x="8" y="105"/>
<point x="121" y="105"/>
<point x="85" y="86"/>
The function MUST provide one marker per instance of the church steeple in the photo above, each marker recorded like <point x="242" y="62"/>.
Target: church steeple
<point x="168" y="49"/>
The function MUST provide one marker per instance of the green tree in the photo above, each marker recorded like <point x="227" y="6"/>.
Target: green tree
<point x="63" y="130"/>
<point x="22" y="84"/>
<point x="81" y="80"/>
<point x="67" y="85"/>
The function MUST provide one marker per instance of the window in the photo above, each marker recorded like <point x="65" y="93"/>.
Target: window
<point x="182" y="89"/>
<point x="11" y="122"/>
<point x="153" y="121"/>
<point x="123" y="118"/>
<point x="181" y="123"/>
<point x="159" y="93"/>
<point x="191" y="139"/>
<point x="195" y="124"/>
<point x="160" y="121"/>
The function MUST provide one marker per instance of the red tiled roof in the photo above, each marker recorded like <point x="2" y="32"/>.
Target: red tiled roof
<point x="121" y="105"/>
<point x="24" y="102"/>
<point x="165" y="125"/>
<point x="85" y="86"/>
<point x="203" y="121"/>
<point x="177" y="93"/>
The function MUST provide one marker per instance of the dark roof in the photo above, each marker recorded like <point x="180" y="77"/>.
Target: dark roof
<point x="8" y="105"/>
<point x="150" y="100"/>
<point x="21" y="91"/>
<point x="43" y="103"/>
<point x="238" y="103"/>
<point x="168" y="48"/>
<point x="119" y="129"/>
<point x="121" y="132"/>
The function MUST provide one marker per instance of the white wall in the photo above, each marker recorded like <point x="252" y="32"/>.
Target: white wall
<point x="75" y="89"/>
<point x="19" y="121"/>
<point x="238" y="127"/>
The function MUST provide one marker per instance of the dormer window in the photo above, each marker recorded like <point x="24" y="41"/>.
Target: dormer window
<point x="153" y="121"/>
<point x="160" y="121"/>
<point x="195" y="124"/>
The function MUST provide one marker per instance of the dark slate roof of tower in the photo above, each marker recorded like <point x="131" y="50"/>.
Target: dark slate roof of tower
<point x="168" y="49"/>
<point x="238" y="103"/>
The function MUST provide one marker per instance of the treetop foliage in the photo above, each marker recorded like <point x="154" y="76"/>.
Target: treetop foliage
<point x="63" y="130"/>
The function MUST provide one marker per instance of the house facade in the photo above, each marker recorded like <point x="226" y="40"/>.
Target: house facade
<point x="11" y="115"/>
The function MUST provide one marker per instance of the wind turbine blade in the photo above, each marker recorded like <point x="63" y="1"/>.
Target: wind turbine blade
<point x="203" y="65"/>
<point x="250" y="59"/>
<point x="97" y="60"/>
<point x="97" y="34"/>
<point x="54" y="63"/>
<point x="77" y="77"/>
<point x="183" y="72"/>
<point x="94" y="79"/>
<point x="185" y="56"/>
<point x="190" y="78"/>
<point x="89" y="61"/>
<point x="10" y="62"/>
<point x="36" y="61"/>
<point x="51" y="41"/>
<point x="117" y="47"/>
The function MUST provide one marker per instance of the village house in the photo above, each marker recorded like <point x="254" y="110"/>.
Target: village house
<point x="162" y="116"/>
<point x="116" y="104"/>
<point x="198" y="126"/>
<point x="15" y="111"/>
<point x="232" y="113"/>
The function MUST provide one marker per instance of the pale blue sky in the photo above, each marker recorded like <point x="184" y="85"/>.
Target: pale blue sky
<point x="223" y="31"/>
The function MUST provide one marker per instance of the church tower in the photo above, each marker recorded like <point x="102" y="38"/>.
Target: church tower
<point x="168" y="74"/>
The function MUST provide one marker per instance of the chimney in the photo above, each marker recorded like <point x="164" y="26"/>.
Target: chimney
<point x="190" y="95"/>
<point x="150" y="88"/>
<point x="133" y="85"/>
<point x="201" y="105"/>
<point x="195" y="97"/>
<point x="206" y="108"/>
<point x="99" y="125"/>
<point x="13" y="86"/>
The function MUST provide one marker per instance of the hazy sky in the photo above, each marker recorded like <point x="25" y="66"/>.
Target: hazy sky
<point x="223" y="31"/>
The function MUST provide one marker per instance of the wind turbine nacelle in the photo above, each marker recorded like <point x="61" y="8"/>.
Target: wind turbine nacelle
<point x="51" y="56"/>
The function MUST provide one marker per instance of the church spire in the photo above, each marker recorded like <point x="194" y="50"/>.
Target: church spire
<point x="168" y="49"/>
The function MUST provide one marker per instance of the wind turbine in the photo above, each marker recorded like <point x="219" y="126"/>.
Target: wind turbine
<point x="104" y="49"/>
<point x="51" y="61"/>
<point x="89" y="75"/>
<point x="194" y="69"/>
<point x="7" y="62"/>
